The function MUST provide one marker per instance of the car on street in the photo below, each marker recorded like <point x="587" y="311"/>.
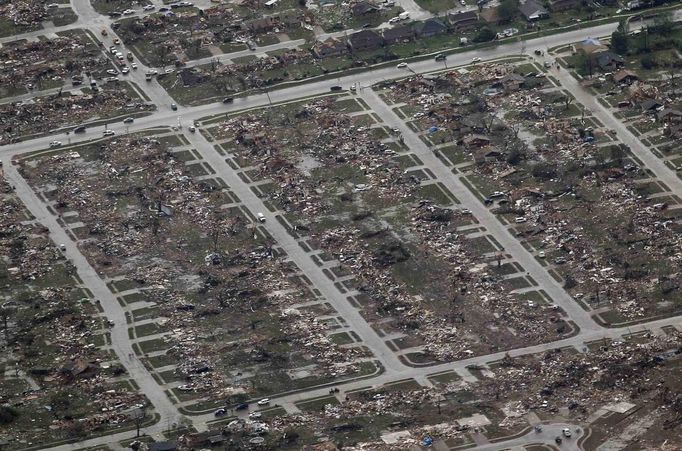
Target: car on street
<point x="401" y="65"/>
<point x="255" y="415"/>
<point x="133" y="65"/>
<point x="192" y="128"/>
<point x="441" y="57"/>
<point x="149" y="7"/>
<point x="55" y="143"/>
<point x="264" y="402"/>
<point x="220" y="412"/>
<point x="62" y="247"/>
<point x="261" y="217"/>
<point x="242" y="406"/>
<point x="353" y="87"/>
<point x="228" y="100"/>
<point x="117" y="41"/>
<point x="566" y="432"/>
<point x="174" y="107"/>
<point x="109" y="133"/>
<point x="128" y="120"/>
<point x="125" y="70"/>
<point x="163" y="9"/>
<point x="475" y="59"/>
<point x="128" y="12"/>
<point x="79" y="129"/>
<point x="336" y="88"/>
<point x="104" y="32"/>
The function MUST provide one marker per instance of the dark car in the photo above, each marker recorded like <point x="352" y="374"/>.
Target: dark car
<point x="242" y="406"/>
<point x="80" y="129"/>
<point x="441" y="57"/>
<point x="174" y="107"/>
<point x="115" y="14"/>
<point x="163" y="9"/>
<point x="228" y="100"/>
<point x="558" y="440"/>
<point x="336" y="88"/>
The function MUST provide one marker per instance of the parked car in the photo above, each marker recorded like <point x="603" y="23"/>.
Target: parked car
<point x="128" y="120"/>
<point x="264" y="402"/>
<point x="336" y="88"/>
<point x="125" y="70"/>
<point x="109" y="133"/>
<point x="228" y="100"/>
<point x="261" y="217"/>
<point x="242" y="406"/>
<point x="220" y="412"/>
<point x="133" y="65"/>
<point x="112" y="72"/>
<point x="566" y="432"/>
<point x="104" y="32"/>
<point x="401" y="65"/>
<point x="117" y="41"/>
<point x="79" y="129"/>
<point x="55" y="143"/>
<point x="475" y="59"/>
<point x="441" y="57"/>
<point x="149" y="7"/>
<point x="174" y="107"/>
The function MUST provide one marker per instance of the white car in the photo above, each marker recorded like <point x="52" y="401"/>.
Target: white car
<point x="128" y="12"/>
<point x="264" y="402"/>
<point x="133" y="65"/>
<point x="566" y="432"/>
<point x="401" y="65"/>
<point x="261" y="217"/>
<point x="112" y="72"/>
<point x="475" y="59"/>
<point x="149" y="8"/>
<point x="125" y="70"/>
<point x="254" y="415"/>
<point x="111" y="133"/>
<point x="55" y="143"/>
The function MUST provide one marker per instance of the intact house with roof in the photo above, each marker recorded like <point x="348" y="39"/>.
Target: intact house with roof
<point x="401" y="33"/>
<point x="430" y="27"/>
<point x="563" y="5"/>
<point x="609" y="61"/>
<point x="463" y="20"/>
<point x="365" y="40"/>
<point x="533" y="11"/>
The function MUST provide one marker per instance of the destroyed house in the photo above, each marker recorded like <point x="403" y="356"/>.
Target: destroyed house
<point x="533" y="10"/>
<point x="79" y="369"/>
<point x="261" y="25"/>
<point x="401" y="33"/>
<point x="476" y="140"/>
<point x="430" y="27"/>
<point x="510" y="82"/>
<point x="329" y="48"/>
<point x="365" y="40"/>
<point x="625" y="76"/>
<point x="191" y="77"/>
<point x="463" y="20"/>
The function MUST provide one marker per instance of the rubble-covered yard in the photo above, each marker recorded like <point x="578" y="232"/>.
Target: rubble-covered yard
<point x="66" y="110"/>
<point x="597" y="220"/>
<point x="23" y="16"/>
<point x="419" y="277"/>
<point x="621" y="390"/>
<point x="43" y="63"/>
<point x="55" y="380"/>
<point x="216" y="294"/>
